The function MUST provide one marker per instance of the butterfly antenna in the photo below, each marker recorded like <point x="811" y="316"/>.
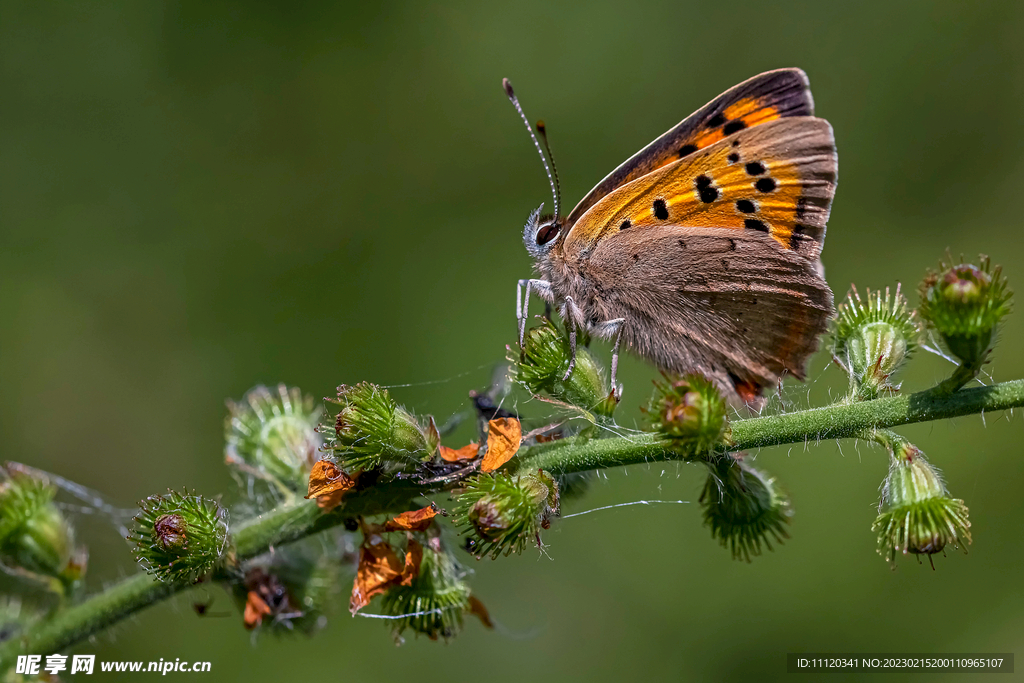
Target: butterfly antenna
<point x="542" y="129"/>
<point x="547" y="169"/>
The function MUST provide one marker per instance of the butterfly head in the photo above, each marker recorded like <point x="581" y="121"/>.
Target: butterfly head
<point x="541" y="233"/>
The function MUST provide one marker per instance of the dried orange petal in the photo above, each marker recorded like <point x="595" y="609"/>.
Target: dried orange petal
<point x="413" y="520"/>
<point x="468" y="452"/>
<point x="326" y="478"/>
<point x="503" y="438"/>
<point x="413" y="558"/>
<point x="379" y="567"/>
<point x="255" y="609"/>
<point x="477" y="608"/>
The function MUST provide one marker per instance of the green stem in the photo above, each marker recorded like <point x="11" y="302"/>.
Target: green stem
<point x="885" y="437"/>
<point x="294" y="520"/>
<point x="840" y="421"/>
<point x="289" y="522"/>
<point x="963" y="374"/>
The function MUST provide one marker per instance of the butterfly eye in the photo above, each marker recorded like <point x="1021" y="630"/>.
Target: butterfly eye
<point x="547" y="233"/>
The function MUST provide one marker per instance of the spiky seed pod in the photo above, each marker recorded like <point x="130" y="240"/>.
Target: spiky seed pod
<point x="274" y="434"/>
<point x="179" y="537"/>
<point x="916" y="513"/>
<point x="35" y="536"/>
<point x="543" y="362"/>
<point x="502" y="512"/>
<point x="170" y="533"/>
<point x="372" y="431"/>
<point x="435" y="601"/>
<point x="744" y="508"/>
<point x="873" y="338"/>
<point x="690" y="412"/>
<point x="964" y="304"/>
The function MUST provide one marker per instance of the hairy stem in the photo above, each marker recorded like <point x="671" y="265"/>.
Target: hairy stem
<point x="297" y="519"/>
<point x="963" y="374"/>
<point x="817" y="424"/>
<point x="288" y="522"/>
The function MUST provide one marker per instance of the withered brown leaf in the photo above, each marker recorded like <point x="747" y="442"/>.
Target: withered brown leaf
<point x="503" y="438"/>
<point x="477" y="609"/>
<point x="468" y="452"/>
<point x="328" y="483"/>
<point x="379" y="568"/>
<point x="413" y="558"/>
<point x="255" y="609"/>
<point x="413" y="520"/>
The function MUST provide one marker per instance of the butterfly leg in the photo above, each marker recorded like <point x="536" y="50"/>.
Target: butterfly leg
<point x="570" y="315"/>
<point x="543" y="289"/>
<point x="613" y="327"/>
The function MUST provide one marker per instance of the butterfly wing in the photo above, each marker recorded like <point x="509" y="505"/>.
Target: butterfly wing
<point x="777" y="178"/>
<point x="713" y="259"/>
<point x="766" y="97"/>
<point x="741" y="310"/>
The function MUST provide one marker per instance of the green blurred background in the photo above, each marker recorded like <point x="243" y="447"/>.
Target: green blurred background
<point x="201" y="197"/>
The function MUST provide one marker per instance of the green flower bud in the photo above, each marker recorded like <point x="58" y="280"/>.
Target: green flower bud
<point x="744" y="508"/>
<point x="916" y="513"/>
<point x="372" y="431"/>
<point x="690" y="412"/>
<point x="273" y="434"/>
<point x="170" y="533"/>
<point x="179" y="537"/>
<point x="35" y="536"/>
<point x="543" y="362"/>
<point x="435" y="601"/>
<point x="503" y="513"/>
<point x="873" y="339"/>
<point x="964" y="304"/>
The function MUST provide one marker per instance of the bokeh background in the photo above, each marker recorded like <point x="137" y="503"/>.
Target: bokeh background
<point x="199" y="197"/>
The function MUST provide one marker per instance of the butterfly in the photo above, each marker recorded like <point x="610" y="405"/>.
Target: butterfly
<point x="701" y="252"/>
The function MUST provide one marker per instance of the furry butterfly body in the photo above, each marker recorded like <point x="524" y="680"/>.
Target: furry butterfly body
<point x="701" y="252"/>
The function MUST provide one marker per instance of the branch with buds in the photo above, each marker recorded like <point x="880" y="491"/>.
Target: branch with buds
<point x="347" y="497"/>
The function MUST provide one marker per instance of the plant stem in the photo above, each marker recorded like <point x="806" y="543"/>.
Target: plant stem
<point x="960" y="377"/>
<point x="288" y="522"/>
<point x="838" y="421"/>
<point x="297" y="519"/>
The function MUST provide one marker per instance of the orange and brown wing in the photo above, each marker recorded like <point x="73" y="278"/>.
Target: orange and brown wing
<point x="778" y="178"/>
<point x="766" y="97"/>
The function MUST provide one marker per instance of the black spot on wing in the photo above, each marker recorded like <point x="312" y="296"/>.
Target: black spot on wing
<point x="804" y="236"/>
<point x="746" y="206"/>
<point x="765" y="185"/>
<point x="625" y="225"/>
<point x="687" y="149"/>
<point x="733" y="127"/>
<point x="716" y="120"/>
<point x="660" y="210"/>
<point x="801" y="207"/>
<point x="705" y="189"/>
<point x="753" y="224"/>
<point x="733" y="158"/>
<point x="755" y="168"/>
